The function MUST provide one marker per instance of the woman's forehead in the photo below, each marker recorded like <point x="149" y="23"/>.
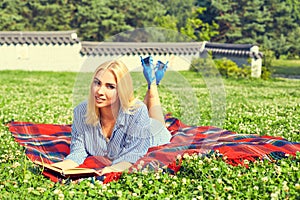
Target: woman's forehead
<point x="105" y="76"/>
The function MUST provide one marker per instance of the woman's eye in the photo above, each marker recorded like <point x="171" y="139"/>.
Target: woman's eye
<point x="96" y="82"/>
<point x="111" y="86"/>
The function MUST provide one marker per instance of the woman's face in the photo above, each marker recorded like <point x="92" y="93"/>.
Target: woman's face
<point x="105" y="89"/>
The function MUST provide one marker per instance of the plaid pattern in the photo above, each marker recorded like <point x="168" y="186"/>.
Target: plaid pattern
<point x="50" y="143"/>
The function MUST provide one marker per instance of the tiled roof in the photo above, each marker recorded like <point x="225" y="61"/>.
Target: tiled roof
<point x="178" y="48"/>
<point x="242" y="50"/>
<point x="124" y="48"/>
<point x="143" y="48"/>
<point x="228" y="46"/>
<point x="38" y="37"/>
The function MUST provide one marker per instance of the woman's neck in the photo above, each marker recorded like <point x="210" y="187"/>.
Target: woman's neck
<point x="109" y="113"/>
<point x="108" y="118"/>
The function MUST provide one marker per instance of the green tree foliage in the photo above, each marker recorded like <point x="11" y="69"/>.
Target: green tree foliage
<point x="185" y="15"/>
<point x="139" y="13"/>
<point x="47" y="15"/>
<point x="293" y="40"/>
<point x="295" y="6"/>
<point x="179" y="9"/>
<point x="281" y="25"/>
<point x="198" y="30"/>
<point x="268" y="23"/>
<point x="167" y="21"/>
<point x="228" y="20"/>
<point x="94" y="20"/>
<point x="99" y="20"/>
<point x="253" y="21"/>
<point x="11" y="18"/>
<point x="240" y="22"/>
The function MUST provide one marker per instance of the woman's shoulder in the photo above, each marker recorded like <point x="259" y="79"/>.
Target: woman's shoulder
<point x="138" y="106"/>
<point x="139" y="103"/>
<point x="135" y="110"/>
<point x="140" y="112"/>
<point x="81" y="108"/>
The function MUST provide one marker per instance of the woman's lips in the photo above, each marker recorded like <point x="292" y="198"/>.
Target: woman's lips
<point x="99" y="99"/>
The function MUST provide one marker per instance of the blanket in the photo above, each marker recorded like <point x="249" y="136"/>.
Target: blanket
<point x="51" y="143"/>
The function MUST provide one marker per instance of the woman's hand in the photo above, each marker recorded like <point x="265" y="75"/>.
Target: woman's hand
<point x="108" y="169"/>
<point x="119" y="167"/>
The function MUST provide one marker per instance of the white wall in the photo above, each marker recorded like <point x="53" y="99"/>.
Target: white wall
<point x="176" y="63"/>
<point x="68" y="58"/>
<point x="40" y="57"/>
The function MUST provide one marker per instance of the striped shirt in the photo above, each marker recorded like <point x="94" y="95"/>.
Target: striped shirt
<point x="130" y="139"/>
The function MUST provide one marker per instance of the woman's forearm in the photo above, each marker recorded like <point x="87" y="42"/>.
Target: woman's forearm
<point x="119" y="167"/>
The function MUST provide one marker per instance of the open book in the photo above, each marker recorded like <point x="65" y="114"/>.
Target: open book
<point x="68" y="173"/>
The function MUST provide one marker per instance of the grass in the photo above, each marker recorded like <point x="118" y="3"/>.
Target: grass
<point x="251" y="106"/>
<point x="286" y="67"/>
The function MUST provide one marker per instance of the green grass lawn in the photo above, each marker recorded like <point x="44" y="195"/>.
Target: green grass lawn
<point x="251" y="106"/>
<point x="286" y="67"/>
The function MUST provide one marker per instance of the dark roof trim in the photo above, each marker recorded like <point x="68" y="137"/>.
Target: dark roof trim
<point x="38" y="37"/>
<point x="133" y="48"/>
<point x="242" y="50"/>
<point x="241" y="53"/>
<point x="245" y="47"/>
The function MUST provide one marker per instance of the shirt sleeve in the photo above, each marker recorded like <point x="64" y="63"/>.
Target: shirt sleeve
<point x="77" y="148"/>
<point x="138" y="137"/>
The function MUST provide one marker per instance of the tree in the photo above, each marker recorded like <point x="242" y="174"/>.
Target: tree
<point x="196" y="29"/>
<point x="269" y="23"/>
<point x="139" y="13"/>
<point x="92" y="19"/>
<point x="181" y="10"/>
<point x="282" y="23"/>
<point x="47" y="15"/>
<point x="11" y="18"/>
<point x="99" y="20"/>
<point x="167" y="21"/>
<point x="295" y="6"/>
<point x="293" y="41"/>
<point x="228" y="20"/>
<point x="253" y="20"/>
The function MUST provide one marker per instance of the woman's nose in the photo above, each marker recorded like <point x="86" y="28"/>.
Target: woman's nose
<point x="100" y="90"/>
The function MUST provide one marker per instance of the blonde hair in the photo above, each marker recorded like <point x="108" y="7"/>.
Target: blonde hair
<point x="124" y="88"/>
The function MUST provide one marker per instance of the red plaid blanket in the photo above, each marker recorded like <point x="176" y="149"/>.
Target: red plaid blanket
<point x="50" y="143"/>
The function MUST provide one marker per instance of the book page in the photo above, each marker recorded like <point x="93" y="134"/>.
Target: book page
<point x="68" y="172"/>
<point x="49" y="166"/>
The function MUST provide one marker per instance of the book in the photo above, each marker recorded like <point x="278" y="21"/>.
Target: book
<point x="73" y="173"/>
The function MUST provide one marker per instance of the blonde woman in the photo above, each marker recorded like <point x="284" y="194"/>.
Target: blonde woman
<point x="112" y="123"/>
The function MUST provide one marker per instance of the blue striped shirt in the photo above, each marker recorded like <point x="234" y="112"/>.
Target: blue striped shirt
<point x="130" y="139"/>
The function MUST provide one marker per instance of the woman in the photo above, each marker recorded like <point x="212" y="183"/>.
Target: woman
<point x="112" y="123"/>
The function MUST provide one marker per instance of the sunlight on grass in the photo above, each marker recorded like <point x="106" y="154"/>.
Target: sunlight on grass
<point x="286" y="67"/>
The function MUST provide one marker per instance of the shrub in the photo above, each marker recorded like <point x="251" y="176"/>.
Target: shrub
<point x="265" y="73"/>
<point x="228" y="68"/>
<point x="201" y="64"/>
<point x="224" y="66"/>
<point x="267" y="61"/>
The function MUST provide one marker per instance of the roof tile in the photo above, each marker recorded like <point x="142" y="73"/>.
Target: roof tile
<point x="38" y="37"/>
<point x="124" y="48"/>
